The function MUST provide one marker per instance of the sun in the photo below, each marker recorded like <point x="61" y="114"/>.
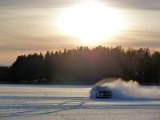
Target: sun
<point x="90" y="22"/>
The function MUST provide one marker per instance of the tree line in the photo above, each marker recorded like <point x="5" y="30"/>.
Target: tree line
<point x="84" y="65"/>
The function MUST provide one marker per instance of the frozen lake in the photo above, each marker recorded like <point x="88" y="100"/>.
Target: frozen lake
<point x="44" y="102"/>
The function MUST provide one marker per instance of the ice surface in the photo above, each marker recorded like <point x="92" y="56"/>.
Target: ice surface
<point x="44" y="102"/>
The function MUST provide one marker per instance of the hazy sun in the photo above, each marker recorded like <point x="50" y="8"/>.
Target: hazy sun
<point x="90" y="22"/>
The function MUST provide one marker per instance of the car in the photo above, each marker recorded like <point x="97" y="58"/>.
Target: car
<point x="101" y="92"/>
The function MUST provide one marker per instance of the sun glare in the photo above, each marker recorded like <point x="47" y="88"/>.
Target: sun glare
<point x="90" y="22"/>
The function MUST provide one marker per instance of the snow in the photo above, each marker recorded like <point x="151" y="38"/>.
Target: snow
<point x="67" y="102"/>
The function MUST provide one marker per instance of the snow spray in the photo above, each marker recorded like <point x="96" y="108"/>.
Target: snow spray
<point x="130" y="89"/>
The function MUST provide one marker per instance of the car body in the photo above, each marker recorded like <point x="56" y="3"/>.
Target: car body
<point x="101" y="92"/>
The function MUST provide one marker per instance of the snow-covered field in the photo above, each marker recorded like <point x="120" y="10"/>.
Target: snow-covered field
<point x="44" y="102"/>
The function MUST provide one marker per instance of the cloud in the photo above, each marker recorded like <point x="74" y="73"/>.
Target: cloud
<point x="32" y="43"/>
<point x="135" y="4"/>
<point x="132" y="4"/>
<point x="27" y="27"/>
<point x="35" y="3"/>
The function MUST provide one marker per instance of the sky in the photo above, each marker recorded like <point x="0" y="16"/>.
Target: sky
<point x="28" y="26"/>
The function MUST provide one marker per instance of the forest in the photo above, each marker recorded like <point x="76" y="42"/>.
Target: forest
<point x="84" y="65"/>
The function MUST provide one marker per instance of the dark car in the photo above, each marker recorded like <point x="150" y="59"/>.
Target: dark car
<point x="101" y="92"/>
